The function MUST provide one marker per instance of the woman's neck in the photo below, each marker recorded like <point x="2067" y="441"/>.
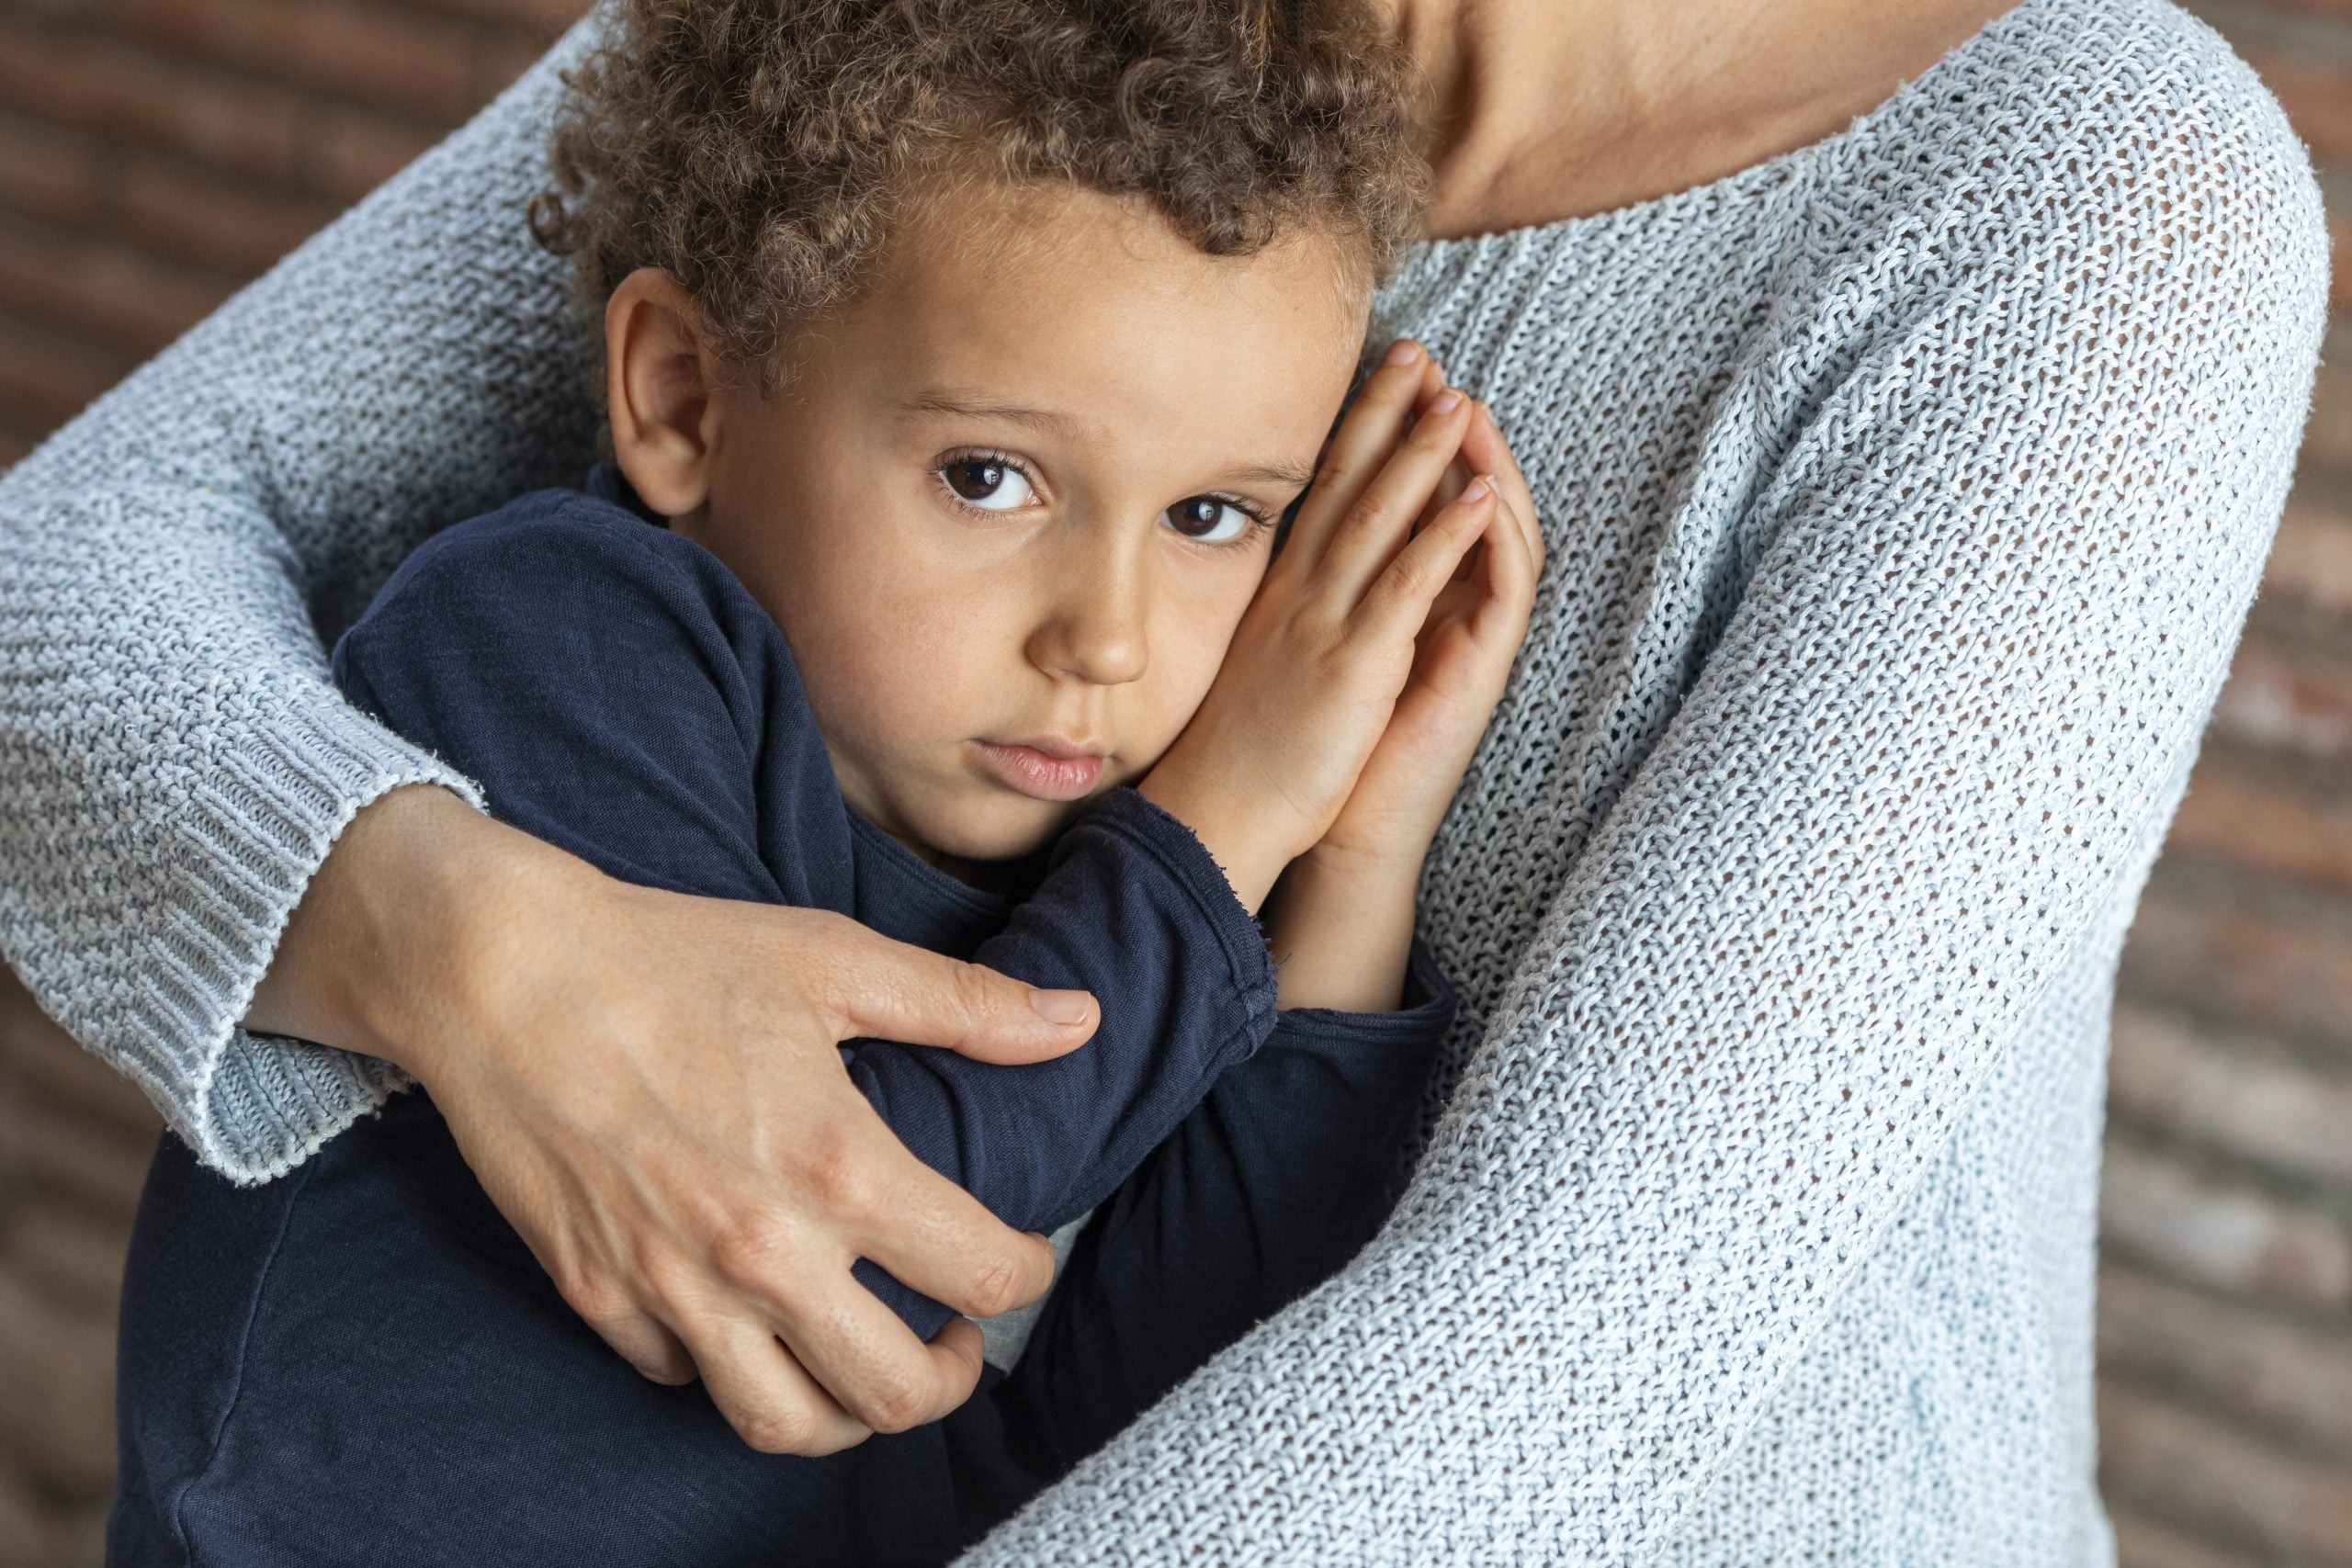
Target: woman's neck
<point x="1546" y="109"/>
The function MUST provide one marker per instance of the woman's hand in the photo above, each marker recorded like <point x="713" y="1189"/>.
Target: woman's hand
<point x="647" y="1085"/>
<point x="1311" y="680"/>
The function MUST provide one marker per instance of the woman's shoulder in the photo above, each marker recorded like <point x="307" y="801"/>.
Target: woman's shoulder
<point x="2082" y="123"/>
<point x="2100" y="184"/>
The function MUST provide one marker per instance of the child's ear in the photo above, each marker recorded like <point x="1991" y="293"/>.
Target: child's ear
<point x="659" y="379"/>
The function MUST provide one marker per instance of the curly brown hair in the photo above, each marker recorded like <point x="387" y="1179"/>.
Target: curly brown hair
<point x="759" y="149"/>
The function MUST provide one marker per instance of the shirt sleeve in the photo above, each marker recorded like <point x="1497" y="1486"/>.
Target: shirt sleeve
<point x="175" y="762"/>
<point x="1264" y="1190"/>
<point x="1998" y="574"/>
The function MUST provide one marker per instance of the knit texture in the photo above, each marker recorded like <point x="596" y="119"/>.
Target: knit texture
<point x="1905" y="495"/>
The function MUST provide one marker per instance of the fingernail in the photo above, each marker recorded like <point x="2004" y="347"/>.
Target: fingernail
<point x="1446" y="402"/>
<point x="1062" y="1006"/>
<point x="1484" y="485"/>
<point x="1404" y="350"/>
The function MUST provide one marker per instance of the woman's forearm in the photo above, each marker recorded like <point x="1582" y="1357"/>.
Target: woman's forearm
<point x="413" y="888"/>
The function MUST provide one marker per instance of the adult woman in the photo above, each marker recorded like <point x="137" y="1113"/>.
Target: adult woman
<point x="1905" y="485"/>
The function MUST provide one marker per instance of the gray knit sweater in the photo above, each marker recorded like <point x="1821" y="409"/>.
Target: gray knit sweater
<point x="1905" y="495"/>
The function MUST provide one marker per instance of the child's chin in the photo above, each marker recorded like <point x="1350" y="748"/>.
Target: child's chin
<point x="1006" y="829"/>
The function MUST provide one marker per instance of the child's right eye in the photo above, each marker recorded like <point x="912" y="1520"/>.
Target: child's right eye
<point x="992" y="484"/>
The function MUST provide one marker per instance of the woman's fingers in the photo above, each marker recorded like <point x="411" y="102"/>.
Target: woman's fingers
<point x="934" y="1236"/>
<point x="772" y="1403"/>
<point x="873" y="1366"/>
<point x="893" y="991"/>
<point x="650" y="1347"/>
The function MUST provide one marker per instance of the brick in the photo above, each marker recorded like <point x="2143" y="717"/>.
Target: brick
<point x="2240" y="1096"/>
<point x="57" y="1401"/>
<point x="2327" y="436"/>
<point x="2230" y="1237"/>
<point x="41" y="1063"/>
<point x="378" y="53"/>
<point x="2198" y="1476"/>
<point x="47" y="1151"/>
<point x="501" y="56"/>
<point x="2287" y="973"/>
<point x="104" y="292"/>
<point x="543" y="17"/>
<point x="71" y="1258"/>
<point x="136" y="96"/>
<point x="2141" y="1543"/>
<point x="2286" y="702"/>
<point x="2312" y="561"/>
<point x="46" y="378"/>
<point x="2331" y="8"/>
<point x="35" y="1531"/>
<point x="2236" y="813"/>
<point x="240" y="228"/>
<point x="348" y="153"/>
<point x="2318" y="100"/>
<point x="47" y="172"/>
<point x="2284" y="1383"/>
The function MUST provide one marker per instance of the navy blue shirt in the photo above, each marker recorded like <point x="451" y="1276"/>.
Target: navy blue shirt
<point x="362" y="1362"/>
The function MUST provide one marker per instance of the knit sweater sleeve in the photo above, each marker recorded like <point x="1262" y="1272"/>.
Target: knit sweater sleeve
<point x="174" y="764"/>
<point x="2031" y="449"/>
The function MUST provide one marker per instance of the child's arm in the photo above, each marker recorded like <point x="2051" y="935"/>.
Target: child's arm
<point x="1267" y="1189"/>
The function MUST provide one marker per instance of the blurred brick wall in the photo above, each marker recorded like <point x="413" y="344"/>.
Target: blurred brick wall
<point x="153" y="153"/>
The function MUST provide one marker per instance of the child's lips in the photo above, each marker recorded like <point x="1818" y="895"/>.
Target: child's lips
<point x="1040" y="774"/>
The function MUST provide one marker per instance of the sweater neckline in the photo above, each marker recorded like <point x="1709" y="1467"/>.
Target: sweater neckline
<point x="1713" y="193"/>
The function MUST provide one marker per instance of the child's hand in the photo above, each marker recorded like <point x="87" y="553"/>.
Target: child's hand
<point x="1311" y="681"/>
<point x="1461" y="660"/>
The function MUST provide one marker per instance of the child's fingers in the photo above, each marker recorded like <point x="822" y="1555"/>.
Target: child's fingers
<point x="1509" y="565"/>
<point x="1399" y="603"/>
<point x="1367" y="536"/>
<point x="1368" y="432"/>
<point x="1485" y="450"/>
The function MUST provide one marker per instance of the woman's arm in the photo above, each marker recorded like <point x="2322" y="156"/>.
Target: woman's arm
<point x="2006" y="562"/>
<point x="176" y="770"/>
<point x="176" y="763"/>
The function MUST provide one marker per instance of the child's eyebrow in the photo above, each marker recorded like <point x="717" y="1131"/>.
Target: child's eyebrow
<point x="1295" y="475"/>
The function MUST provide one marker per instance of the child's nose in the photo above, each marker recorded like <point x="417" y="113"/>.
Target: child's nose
<point x="1093" y="630"/>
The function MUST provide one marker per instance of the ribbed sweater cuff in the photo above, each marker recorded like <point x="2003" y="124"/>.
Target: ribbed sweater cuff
<point x="259" y="822"/>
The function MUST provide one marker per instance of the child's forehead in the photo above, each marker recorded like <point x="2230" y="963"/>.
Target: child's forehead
<point x="1057" y="254"/>
<point x="1085" y="318"/>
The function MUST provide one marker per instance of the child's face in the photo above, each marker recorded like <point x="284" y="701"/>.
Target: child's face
<point x="1011" y="506"/>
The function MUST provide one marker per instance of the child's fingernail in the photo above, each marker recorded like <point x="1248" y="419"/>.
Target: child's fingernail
<point x="1404" y="350"/>
<point x="1446" y="402"/>
<point x="1479" y="488"/>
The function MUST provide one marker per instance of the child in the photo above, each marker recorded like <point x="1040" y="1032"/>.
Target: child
<point x="961" y="359"/>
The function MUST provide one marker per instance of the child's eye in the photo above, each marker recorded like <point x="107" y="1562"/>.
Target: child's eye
<point x="990" y="484"/>
<point x="1210" y="519"/>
